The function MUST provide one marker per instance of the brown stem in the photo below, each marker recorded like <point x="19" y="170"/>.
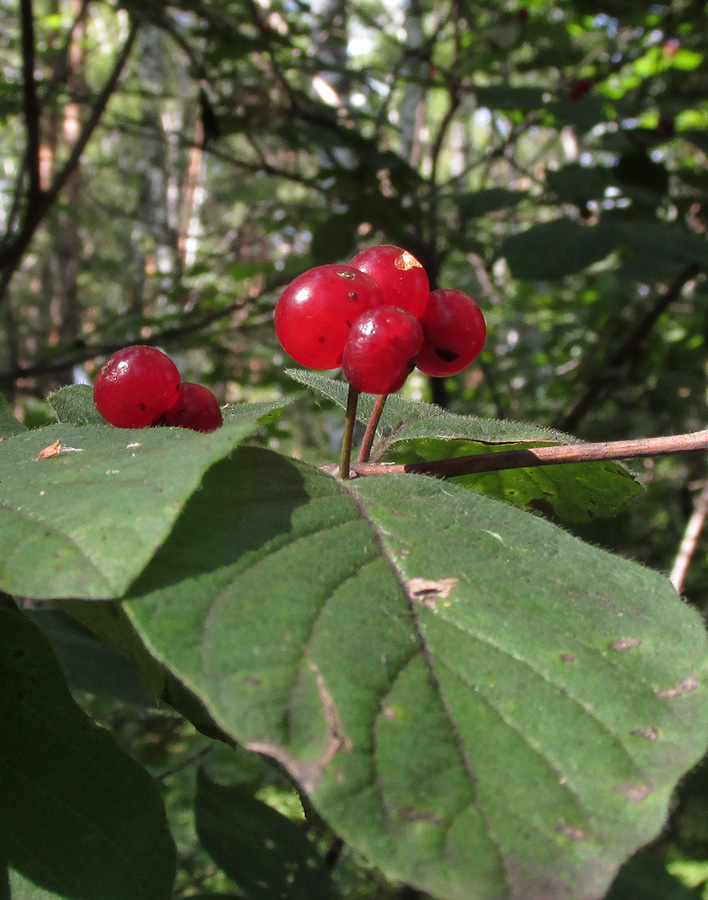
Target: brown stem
<point x="31" y="102"/>
<point x="539" y="456"/>
<point x="372" y="425"/>
<point x="689" y="542"/>
<point x="348" y="436"/>
<point x="38" y="207"/>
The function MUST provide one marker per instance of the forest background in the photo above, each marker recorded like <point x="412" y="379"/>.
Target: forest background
<point x="167" y="168"/>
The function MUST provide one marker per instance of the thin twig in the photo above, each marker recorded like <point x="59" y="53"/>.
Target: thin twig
<point x="371" y="426"/>
<point x="538" y="456"/>
<point x="689" y="542"/>
<point x="31" y="101"/>
<point x="348" y="436"/>
<point x="38" y="207"/>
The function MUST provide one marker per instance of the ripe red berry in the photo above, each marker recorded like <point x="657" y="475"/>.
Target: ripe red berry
<point x="381" y="350"/>
<point x="316" y="311"/>
<point x="135" y="386"/>
<point x="454" y="332"/>
<point x="196" y="408"/>
<point x="398" y="273"/>
<point x="579" y="88"/>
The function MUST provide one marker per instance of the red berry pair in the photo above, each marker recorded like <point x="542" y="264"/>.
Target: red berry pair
<point x="140" y="386"/>
<point x="377" y="318"/>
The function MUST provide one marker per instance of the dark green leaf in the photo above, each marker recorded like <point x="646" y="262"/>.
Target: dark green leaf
<point x="504" y="96"/>
<point x="266" y="854"/>
<point x="413" y="432"/>
<point x="263" y="412"/>
<point x="556" y="249"/>
<point x="479" y="702"/>
<point x="90" y="518"/>
<point x="87" y="663"/>
<point x="73" y="405"/>
<point x="575" y="492"/>
<point x="661" y="246"/>
<point x="645" y="877"/>
<point x="473" y="204"/>
<point x="578" y="184"/>
<point x="8" y="423"/>
<point x="77" y="816"/>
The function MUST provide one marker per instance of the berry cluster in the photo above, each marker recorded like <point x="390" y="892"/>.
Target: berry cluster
<point x="377" y="318"/>
<point x="140" y="386"/>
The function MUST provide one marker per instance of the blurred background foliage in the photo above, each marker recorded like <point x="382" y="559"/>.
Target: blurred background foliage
<point x="167" y="167"/>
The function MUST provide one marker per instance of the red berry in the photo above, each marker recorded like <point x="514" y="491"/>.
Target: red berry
<point x="381" y="350"/>
<point x="454" y="332"/>
<point x="316" y="311"/>
<point x="196" y="408"/>
<point x="399" y="274"/>
<point x="135" y="386"/>
<point x="579" y="88"/>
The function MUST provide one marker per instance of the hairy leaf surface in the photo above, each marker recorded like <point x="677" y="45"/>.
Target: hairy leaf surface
<point x="94" y="510"/>
<point x="78" y="817"/>
<point x="482" y="704"/>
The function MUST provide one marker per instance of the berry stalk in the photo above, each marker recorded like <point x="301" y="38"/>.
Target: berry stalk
<point x="345" y="454"/>
<point x="372" y="425"/>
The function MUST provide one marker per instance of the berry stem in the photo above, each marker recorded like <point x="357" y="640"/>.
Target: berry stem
<point x="348" y="436"/>
<point x="541" y="456"/>
<point x="372" y="425"/>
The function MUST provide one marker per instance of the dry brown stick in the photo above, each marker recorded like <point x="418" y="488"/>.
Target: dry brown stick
<point x="689" y="542"/>
<point x="538" y="456"/>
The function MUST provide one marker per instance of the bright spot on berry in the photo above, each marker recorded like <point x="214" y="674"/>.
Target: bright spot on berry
<point x="407" y="261"/>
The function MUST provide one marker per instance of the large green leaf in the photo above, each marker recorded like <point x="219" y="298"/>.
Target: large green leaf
<point x="78" y="817"/>
<point x="83" y="523"/>
<point x="478" y="701"/>
<point x="8" y="423"/>
<point x="415" y="432"/>
<point x="555" y="249"/>
<point x="266" y="854"/>
<point x="574" y="492"/>
<point x="87" y="663"/>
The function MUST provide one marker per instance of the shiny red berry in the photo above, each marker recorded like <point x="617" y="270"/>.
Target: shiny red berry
<point x="316" y="311"/>
<point x="398" y="273"/>
<point x="579" y="88"/>
<point x="381" y="350"/>
<point x="135" y="386"/>
<point x="196" y="408"/>
<point x="454" y="333"/>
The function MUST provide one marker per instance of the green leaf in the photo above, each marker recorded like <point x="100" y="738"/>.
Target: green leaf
<point x="22" y="889"/>
<point x="473" y="204"/>
<point x="575" y="492"/>
<point x="87" y="663"/>
<point x="110" y="624"/>
<point x="578" y="184"/>
<point x="266" y="854"/>
<point x="85" y="522"/>
<point x="645" y="877"/>
<point x="476" y="700"/>
<point x="78" y="817"/>
<point x="73" y="405"/>
<point x="9" y="425"/>
<point x="556" y="249"/>
<point x="263" y="412"/>
<point x="414" y="432"/>
<point x="504" y="96"/>
<point x="661" y="246"/>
